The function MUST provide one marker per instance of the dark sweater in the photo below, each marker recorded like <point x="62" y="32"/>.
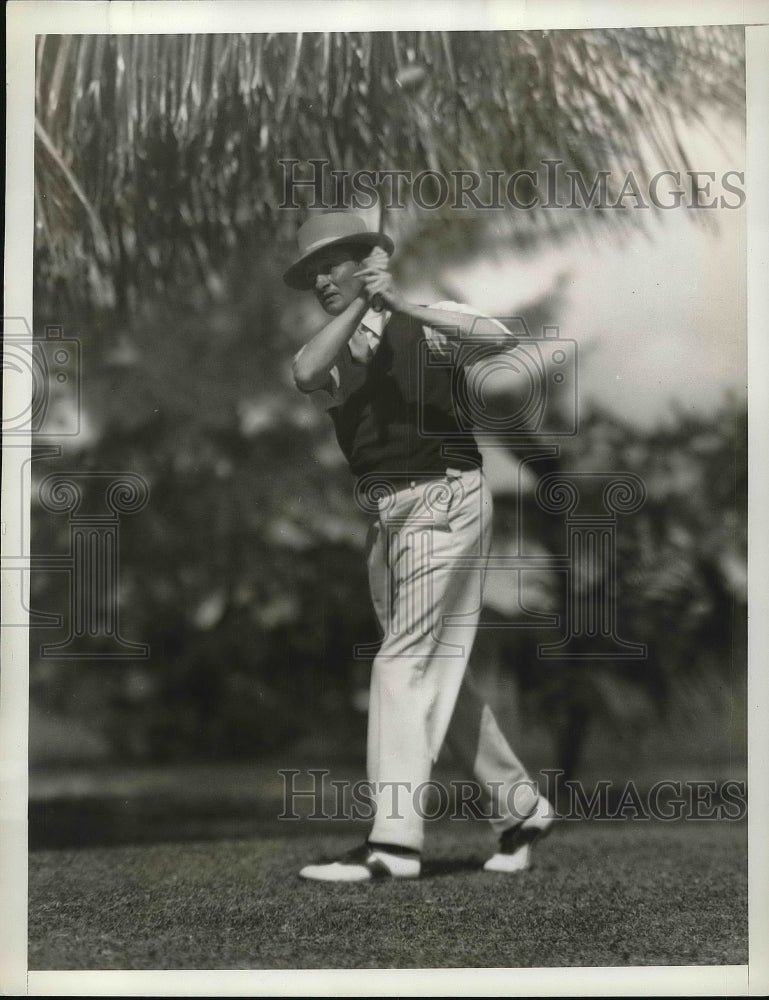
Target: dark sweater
<point x="401" y="419"/>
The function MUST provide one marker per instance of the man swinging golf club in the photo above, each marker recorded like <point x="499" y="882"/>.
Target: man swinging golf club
<point x="389" y="379"/>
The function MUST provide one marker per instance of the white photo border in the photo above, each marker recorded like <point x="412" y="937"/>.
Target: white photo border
<point x="24" y="21"/>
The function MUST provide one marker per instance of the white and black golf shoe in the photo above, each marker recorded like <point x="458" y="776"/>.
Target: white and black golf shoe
<point x="364" y="863"/>
<point x="514" y="854"/>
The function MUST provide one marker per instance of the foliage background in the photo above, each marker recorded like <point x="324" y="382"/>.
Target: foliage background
<point x="160" y="248"/>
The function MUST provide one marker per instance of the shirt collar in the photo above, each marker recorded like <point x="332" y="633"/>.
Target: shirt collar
<point x="374" y="322"/>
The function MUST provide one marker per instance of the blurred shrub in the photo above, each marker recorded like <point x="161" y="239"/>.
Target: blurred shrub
<point x="243" y="573"/>
<point x="681" y="579"/>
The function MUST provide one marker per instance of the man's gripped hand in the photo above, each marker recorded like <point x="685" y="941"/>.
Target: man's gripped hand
<point x="377" y="280"/>
<point x="378" y="258"/>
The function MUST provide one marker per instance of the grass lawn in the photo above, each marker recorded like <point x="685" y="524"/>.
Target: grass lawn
<point x="601" y="894"/>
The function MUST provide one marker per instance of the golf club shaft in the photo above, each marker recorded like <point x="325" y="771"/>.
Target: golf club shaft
<point x="377" y="303"/>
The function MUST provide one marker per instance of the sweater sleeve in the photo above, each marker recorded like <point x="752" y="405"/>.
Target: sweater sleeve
<point x="441" y="339"/>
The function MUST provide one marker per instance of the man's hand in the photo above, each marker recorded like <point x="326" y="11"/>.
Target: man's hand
<point x="378" y="257"/>
<point x="377" y="280"/>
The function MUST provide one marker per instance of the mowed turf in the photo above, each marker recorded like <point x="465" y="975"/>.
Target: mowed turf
<point x="600" y="894"/>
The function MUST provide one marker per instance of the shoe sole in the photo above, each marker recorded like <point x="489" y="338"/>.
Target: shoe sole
<point x="373" y="870"/>
<point x="538" y="833"/>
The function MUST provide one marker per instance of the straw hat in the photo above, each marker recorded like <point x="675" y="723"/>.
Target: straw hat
<point x="328" y="230"/>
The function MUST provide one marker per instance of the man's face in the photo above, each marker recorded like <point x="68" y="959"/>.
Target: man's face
<point x="331" y="273"/>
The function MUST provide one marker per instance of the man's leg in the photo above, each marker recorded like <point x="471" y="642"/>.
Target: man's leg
<point x="406" y="690"/>
<point x="518" y="814"/>
<point x="435" y="563"/>
<point x="417" y="584"/>
<point x="506" y="792"/>
<point x="426" y="575"/>
<point x="365" y="862"/>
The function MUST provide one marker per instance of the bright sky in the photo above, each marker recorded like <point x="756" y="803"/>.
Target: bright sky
<point x="658" y="319"/>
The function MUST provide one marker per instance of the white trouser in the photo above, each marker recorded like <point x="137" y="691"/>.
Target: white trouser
<point x="427" y="560"/>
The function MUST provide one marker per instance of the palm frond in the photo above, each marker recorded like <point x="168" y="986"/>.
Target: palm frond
<point x="172" y="140"/>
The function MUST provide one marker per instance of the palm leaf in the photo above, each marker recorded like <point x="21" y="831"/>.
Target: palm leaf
<point x="203" y="122"/>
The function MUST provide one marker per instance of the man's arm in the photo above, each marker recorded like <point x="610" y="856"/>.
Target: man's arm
<point x="461" y="324"/>
<point x="312" y="364"/>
